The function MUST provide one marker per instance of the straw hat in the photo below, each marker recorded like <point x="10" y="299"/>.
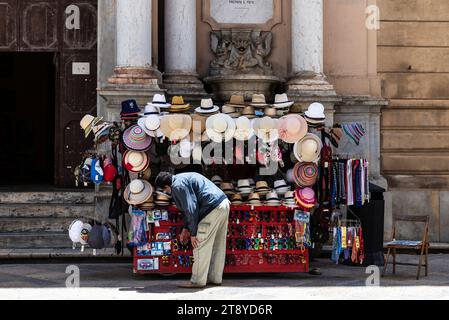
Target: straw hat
<point x="281" y="187"/>
<point x="271" y="112"/>
<point x="176" y="126"/>
<point x="244" y="129"/>
<point x="101" y="130"/>
<point x="305" y="198"/>
<point x="305" y="174"/>
<point x="266" y="129"/>
<point x="254" y="199"/>
<point x="207" y="106"/>
<point x="134" y="138"/>
<point x="217" y="180"/>
<point x="178" y="105"/>
<point x="272" y="199"/>
<point x="262" y="187"/>
<point x="138" y="192"/>
<point x="281" y="101"/>
<point x="220" y="127"/>
<point x="292" y="128"/>
<point x="308" y="149"/>
<point x="249" y="112"/>
<point x="289" y="199"/>
<point x="237" y="199"/>
<point x="160" y="101"/>
<point x="236" y="101"/>
<point x="88" y="122"/>
<point x="227" y="188"/>
<point x="150" y="121"/>
<point x="162" y="200"/>
<point x="231" y="111"/>
<point x="258" y="101"/>
<point x="244" y="187"/>
<point x="183" y="149"/>
<point x="135" y="161"/>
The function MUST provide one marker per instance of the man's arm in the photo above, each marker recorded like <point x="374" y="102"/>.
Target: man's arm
<point x="187" y="202"/>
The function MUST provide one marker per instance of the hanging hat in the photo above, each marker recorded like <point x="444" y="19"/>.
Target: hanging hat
<point x="102" y="129"/>
<point x="162" y="200"/>
<point x="178" y="105"/>
<point x="236" y="199"/>
<point x="292" y="128"/>
<point x="266" y="129"/>
<point x="110" y="171"/>
<point x="217" y="180"/>
<point x="220" y="127"/>
<point x="134" y="138"/>
<point x="207" y="106"/>
<point x="135" y="161"/>
<point x="305" y="174"/>
<point x="354" y="131"/>
<point x="75" y="229"/>
<point x="254" y="199"/>
<point x="130" y="108"/>
<point x="236" y="101"/>
<point x="231" y="111"/>
<point x="151" y="124"/>
<point x="258" y="101"/>
<point x="160" y="101"/>
<point x="308" y="149"/>
<point x="244" y="129"/>
<point x="138" y="192"/>
<point x="176" y="126"/>
<point x="281" y="187"/>
<point x="88" y="122"/>
<point x="227" y="188"/>
<point x="183" y="149"/>
<point x="249" y="112"/>
<point x="305" y="198"/>
<point x="272" y="199"/>
<point x="97" y="173"/>
<point x="84" y="235"/>
<point x="315" y="112"/>
<point x="281" y="101"/>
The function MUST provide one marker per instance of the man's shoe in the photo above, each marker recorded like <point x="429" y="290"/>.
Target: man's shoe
<point x="315" y="272"/>
<point x="214" y="284"/>
<point x="190" y="285"/>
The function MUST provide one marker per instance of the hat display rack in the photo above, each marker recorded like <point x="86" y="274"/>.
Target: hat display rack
<point x="141" y="144"/>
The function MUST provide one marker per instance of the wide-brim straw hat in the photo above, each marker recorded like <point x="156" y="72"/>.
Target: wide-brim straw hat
<point x="134" y="138"/>
<point x="266" y="129"/>
<point x="207" y="107"/>
<point x="220" y="127"/>
<point x="138" y="192"/>
<point x="281" y="101"/>
<point x="151" y="125"/>
<point x="305" y="174"/>
<point x="243" y="129"/>
<point x="135" y="161"/>
<point x="305" y="198"/>
<point x="176" y="126"/>
<point x="88" y="122"/>
<point x="292" y="128"/>
<point x="308" y="149"/>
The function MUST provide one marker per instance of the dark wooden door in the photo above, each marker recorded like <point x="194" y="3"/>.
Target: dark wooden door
<point x="69" y="29"/>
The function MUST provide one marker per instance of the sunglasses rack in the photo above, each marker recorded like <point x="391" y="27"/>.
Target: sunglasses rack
<point x="259" y="240"/>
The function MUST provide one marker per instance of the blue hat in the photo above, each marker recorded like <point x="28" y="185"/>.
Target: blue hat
<point x="130" y="107"/>
<point x="97" y="174"/>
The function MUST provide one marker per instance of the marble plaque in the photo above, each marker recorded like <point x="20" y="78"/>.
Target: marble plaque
<point x="262" y="14"/>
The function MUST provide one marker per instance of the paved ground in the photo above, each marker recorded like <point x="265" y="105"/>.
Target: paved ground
<point x="115" y="280"/>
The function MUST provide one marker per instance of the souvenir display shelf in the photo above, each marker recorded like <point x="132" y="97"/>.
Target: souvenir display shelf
<point x="291" y="257"/>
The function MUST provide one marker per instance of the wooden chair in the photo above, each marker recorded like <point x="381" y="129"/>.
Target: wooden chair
<point x="404" y="246"/>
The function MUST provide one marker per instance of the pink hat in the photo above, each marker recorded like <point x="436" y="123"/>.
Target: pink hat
<point x="305" y="198"/>
<point x="292" y="128"/>
<point x="134" y="138"/>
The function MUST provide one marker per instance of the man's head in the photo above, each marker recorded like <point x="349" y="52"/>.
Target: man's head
<point x="164" y="181"/>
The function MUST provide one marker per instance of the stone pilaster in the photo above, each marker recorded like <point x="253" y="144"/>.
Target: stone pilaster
<point x="180" y="77"/>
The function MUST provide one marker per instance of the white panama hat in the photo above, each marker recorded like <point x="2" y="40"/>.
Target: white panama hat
<point x="315" y="111"/>
<point x="207" y="106"/>
<point x="281" y="101"/>
<point x="160" y="101"/>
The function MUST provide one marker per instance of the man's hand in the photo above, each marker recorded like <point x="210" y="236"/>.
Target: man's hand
<point x="195" y="242"/>
<point x="184" y="236"/>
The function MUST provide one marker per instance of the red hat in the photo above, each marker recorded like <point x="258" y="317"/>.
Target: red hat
<point x="109" y="170"/>
<point x="305" y="198"/>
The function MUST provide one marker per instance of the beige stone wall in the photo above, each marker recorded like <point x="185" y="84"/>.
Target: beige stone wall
<point x="413" y="51"/>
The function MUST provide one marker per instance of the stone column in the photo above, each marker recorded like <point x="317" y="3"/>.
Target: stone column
<point x="307" y="82"/>
<point x="134" y="56"/>
<point x="180" y="77"/>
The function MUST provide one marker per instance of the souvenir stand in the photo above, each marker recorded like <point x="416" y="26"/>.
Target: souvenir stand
<point x="274" y="218"/>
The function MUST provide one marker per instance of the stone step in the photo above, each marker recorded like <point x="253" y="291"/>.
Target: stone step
<point x="39" y="197"/>
<point x="50" y="210"/>
<point x="30" y="240"/>
<point x="35" y="224"/>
